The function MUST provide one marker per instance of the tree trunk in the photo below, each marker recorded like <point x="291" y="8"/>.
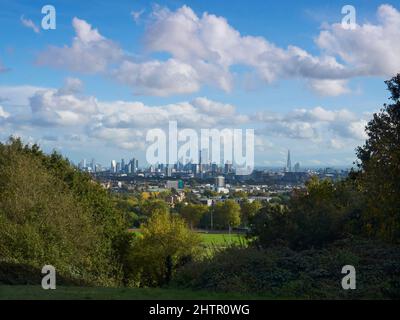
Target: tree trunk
<point x="168" y="272"/>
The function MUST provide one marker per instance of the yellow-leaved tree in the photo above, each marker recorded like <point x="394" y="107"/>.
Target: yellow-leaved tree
<point x="164" y="244"/>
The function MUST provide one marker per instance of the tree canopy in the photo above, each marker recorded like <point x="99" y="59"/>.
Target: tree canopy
<point x="379" y="162"/>
<point x="52" y="214"/>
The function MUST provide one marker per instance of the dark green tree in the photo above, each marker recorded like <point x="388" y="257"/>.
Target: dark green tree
<point x="193" y="213"/>
<point x="379" y="163"/>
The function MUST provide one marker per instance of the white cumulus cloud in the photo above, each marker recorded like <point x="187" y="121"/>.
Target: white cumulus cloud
<point x="370" y="49"/>
<point x="90" y="52"/>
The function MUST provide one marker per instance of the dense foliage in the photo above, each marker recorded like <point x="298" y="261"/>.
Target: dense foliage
<point x="313" y="218"/>
<point x="52" y="214"/>
<point x="380" y="169"/>
<point x="305" y="274"/>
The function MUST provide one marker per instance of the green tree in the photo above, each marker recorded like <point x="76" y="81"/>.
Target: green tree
<point x="128" y="205"/>
<point x="379" y="160"/>
<point x="193" y="213"/>
<point x="239" y="194"/>
<point x="227" y="214"/>
<point x="153" y="206"/>
<point x="165" y="243"/>
<point x="209" y="193"/>
<point x="52" y="214"/>
<point x="249" y="210"/>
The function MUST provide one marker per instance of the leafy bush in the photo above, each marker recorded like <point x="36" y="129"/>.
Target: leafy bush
<point x="323" y="213"/>
<point x="285" y="273"/>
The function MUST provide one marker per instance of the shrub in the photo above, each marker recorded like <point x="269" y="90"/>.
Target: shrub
<point x="285" y="273"/>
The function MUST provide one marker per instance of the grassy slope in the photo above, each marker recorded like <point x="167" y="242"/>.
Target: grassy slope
<point x="79" y="293"/>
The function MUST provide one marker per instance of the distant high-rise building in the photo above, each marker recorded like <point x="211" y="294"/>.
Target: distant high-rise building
<point x="81" y="165"/>
<point x="220" y="182"/>
<point x="133" y="166"/>
<point x="194" y="167"/>
<point x="288" y="163"/>
<point x="169" y="171"/>
<point x="93" y="165"/>
<point x="228" y="167"/>
<point x="297" y="167"/>
<point x="123" y="165"/>
<point x="113" y="166"/>
<point x="214" y="168"/>
<point x="203" y="160"/>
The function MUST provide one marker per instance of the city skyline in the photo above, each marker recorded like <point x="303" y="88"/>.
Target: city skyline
<point x="132" y="165"/>
<point x="297" y="77"/>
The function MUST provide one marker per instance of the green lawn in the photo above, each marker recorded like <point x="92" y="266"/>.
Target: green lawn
<point x="78" y="293"/>
<point x="219" y="239"/>
<point x="222" y="239"/>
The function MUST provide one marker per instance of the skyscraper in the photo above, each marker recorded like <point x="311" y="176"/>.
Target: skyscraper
<point x="133" y="166"/>
<point x="288" y="163"/>
<point x="113" y="166"/>
<point x="203" y="160"/>
<point x="228" y="167"/>
<point x="93" y="165"/>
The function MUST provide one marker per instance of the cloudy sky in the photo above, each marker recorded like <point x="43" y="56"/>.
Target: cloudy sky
<point x="111" y="70"/>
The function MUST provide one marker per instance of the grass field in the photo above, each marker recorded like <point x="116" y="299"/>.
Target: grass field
<point x="219" y="240"/>
<point x="79" y="293"/>
<point x="222" y="239"/>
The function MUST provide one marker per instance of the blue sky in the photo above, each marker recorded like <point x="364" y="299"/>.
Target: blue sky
<point x="285" y="68"/>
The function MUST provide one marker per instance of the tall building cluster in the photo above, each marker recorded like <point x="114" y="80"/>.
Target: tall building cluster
<point x="115" y="167"/>
<point x="91" y="166"/>
<point x="122" y="167"/>
<point x="289" y="167"/>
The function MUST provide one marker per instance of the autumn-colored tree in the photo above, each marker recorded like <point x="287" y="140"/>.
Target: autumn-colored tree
<point x="165" y="243"/>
